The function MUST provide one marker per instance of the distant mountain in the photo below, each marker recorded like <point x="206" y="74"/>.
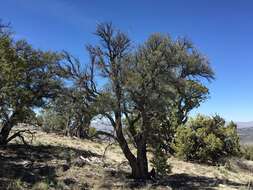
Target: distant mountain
<point x="245" y="124"/>
<point x="246" y="135"/>
<point x="245" y="129"/>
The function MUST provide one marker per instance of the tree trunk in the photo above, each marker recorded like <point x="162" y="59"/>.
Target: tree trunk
<point x="4" y="134"/>
<point x="139" y="164"/>
<point x="141" y="169"/>
<point x="141" y="172"/>
<point x="80" y="132"/>
<point x="67" y="129"/>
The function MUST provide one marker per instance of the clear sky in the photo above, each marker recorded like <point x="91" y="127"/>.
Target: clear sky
<point x="221" y="29"/>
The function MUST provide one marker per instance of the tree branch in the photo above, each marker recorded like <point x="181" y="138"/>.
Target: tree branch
<point x="19" y="134"/>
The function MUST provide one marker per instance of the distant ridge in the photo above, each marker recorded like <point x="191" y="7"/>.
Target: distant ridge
<point x="245" y="130"/>
<point x="245" y="124"/>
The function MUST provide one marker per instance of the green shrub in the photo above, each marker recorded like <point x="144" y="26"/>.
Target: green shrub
<point x="247" y="152"/>
<point x="159" y="161"/>
<point x="206" y="140"/>
<point x="51" y="121"/>
<point x="41" y="186"/>
<point x="92" y="131"/>
<point x="16" y="184"/>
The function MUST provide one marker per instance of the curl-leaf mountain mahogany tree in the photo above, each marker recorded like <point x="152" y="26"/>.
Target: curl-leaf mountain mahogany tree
<point x="146" y="85"/>
<point x="28" y="79"/>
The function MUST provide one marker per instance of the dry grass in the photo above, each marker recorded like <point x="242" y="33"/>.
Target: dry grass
<point x="53" y="162"/>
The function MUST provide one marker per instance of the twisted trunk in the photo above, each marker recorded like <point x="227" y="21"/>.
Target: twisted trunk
<point x="141" y="169"/>
<point x="5" y="132"/>
<point x="139" y="163"/>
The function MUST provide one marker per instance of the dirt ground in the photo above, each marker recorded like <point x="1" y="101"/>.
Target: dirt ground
<point x="58" y="162"/>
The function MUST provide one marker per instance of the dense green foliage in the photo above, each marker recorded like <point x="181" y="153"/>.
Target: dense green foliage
<point x="51" y="121"/>
<point x="160" y="161"/>
<point x="70" y="113"/>
<point x="163" y="86"/>
<point x="206" y="140"/>
<point x="28" y="79"/>
<point x="61" y="123"/>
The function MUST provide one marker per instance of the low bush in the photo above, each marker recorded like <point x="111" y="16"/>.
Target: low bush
<point x="51" y="121"/>
<point x="206" y="140"/>
<point x="247" y="152"/>
<point x="160" y="161"/>
<point x="16" y="184"/>
<point x="92" y="131"/>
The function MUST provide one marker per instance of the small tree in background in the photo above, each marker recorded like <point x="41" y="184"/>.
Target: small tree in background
<point x="77" y="103"/>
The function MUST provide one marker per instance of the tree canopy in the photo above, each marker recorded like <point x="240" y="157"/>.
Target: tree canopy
<point x="28" y="79"/>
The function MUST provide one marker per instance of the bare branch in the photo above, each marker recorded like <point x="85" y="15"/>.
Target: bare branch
<point x="19" y="134"/>
<point x="106" y="148"/>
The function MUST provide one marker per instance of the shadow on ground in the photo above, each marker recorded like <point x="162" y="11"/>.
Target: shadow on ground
<point x="175" y="181"/>
<point x="31" y="164"/>
<point x="186" y="181"/>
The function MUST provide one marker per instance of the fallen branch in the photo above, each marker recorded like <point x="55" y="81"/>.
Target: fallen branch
<point x="120" y="164"/>
<point x="19" y="134"/>
<point x="106" y="148"/>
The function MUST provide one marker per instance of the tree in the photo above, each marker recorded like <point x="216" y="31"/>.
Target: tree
<point x="69" y="113"/>
<point x="76" y="105"/>
<point x="110" y="57"/>
<point x="28" y="79"/>
<point x="143" y="86"/>
<point x="161" y="67"/>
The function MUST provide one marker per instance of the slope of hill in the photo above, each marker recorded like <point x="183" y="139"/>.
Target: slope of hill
<point x="246" y="135"/>
<point x="58" y="162"/>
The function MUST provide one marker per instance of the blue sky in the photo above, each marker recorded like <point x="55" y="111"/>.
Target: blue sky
<point x="221" y="29"/>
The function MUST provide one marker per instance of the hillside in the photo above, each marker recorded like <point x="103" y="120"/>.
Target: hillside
<point x="58" y="162"/>
<point x="246" y="135"/>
